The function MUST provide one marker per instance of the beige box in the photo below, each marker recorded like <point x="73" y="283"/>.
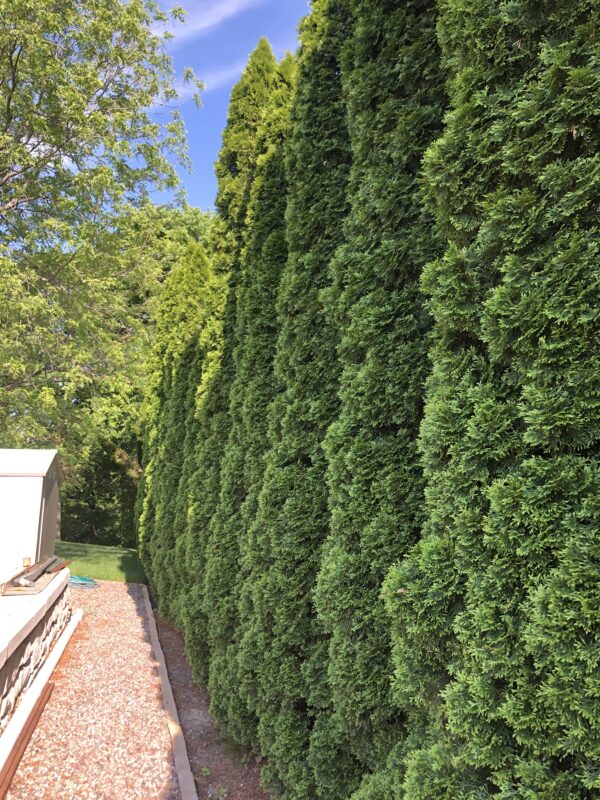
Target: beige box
<point x="29" y="508"/>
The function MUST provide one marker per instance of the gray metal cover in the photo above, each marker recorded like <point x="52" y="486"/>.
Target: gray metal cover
<point x="49" y="530"/>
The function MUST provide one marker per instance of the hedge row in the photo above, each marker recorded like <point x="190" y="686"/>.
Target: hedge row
<point x="370" y="493"/>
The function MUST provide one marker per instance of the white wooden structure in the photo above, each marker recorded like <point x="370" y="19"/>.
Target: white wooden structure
<point x="29" y="508"/>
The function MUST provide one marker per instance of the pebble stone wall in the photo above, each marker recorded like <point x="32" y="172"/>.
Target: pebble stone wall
<point x="22" y="666"/>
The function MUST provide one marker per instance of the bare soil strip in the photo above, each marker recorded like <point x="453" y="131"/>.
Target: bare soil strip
<point x="221" y="771"/>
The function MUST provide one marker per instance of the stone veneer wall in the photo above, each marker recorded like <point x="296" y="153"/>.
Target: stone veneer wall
<point x="22" y="666"/>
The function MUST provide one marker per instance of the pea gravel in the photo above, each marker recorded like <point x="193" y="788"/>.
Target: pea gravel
<point x="103" y="734"/>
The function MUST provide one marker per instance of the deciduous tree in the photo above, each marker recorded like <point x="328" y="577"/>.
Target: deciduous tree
<point x="77" y="145"/>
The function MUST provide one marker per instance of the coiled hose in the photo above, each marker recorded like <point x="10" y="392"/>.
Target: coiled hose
<point x="81" y="582"/>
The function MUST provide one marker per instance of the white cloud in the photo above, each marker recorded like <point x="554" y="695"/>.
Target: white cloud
<point x="226" y="76"/>
<point x="223" y="77"/>
<point x="220" y="77"/>
<point x="206" y="15"/>
<point x="217" y="79"/>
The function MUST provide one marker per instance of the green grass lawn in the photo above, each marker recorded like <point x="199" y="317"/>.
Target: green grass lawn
<point x="102" y="563"/>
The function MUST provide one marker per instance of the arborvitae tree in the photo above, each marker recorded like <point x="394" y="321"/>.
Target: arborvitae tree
<point x="177" y="438"/>
<point x="167" y="472"/>
<point x="180" y="314"/>
<point x="203" y="488"/>
<point x="292" y="519"/>
<point x="497" y="631"/>
<point x="191" y="545"/>
<point x="394" y="90"/>
<point x="235" y="169"/>
<point x="167" y="241"/>
<point x="252" y="388"/>
<point x="183" y="576"/>
<point x="266" y="255"/>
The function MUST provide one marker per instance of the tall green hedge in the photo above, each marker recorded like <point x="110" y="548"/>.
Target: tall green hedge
<point x="394" y="91"/>
<point x="180" y="312"/>
<point x="252" y="388"/>
<point x="292" y="518"/>
<point x="196" y="370"/>
<point x="300" y="482"/>
<point x="178" y="394"/>
<point x="496" y="612"/>
<point x="206" y="608"/>
<point x="199" y="482"/>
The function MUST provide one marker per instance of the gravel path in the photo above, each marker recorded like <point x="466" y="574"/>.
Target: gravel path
<point x="103" y="734"/>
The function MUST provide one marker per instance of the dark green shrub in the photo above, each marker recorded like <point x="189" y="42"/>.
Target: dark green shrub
<point x="495" y="614"/>
<point x="181" y="311"/>
<point x="292" y="519"/>
<point x="231" y="559"/>
<point x="171" y="433"/>
<point x="394" y="92"/>
<point x="206" y="607"/>
<point x="252" y="388"/>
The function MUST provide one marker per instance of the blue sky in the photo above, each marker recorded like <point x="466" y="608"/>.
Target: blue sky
<point x="216" y="40"/>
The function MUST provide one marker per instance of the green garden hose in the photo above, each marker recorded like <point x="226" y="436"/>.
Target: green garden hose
<point x="82" y="582"/>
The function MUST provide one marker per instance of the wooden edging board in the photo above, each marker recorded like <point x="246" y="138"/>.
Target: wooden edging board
<point x="180" y="754"/>
<point x="10" y="767"/>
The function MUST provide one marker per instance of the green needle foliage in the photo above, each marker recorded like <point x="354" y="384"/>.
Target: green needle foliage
<point x="370" y="487"/>
<point x="205" y="616"/>
<point x="292" y="518"/>
<point x="178" y="388"/>
<point x="252" y="389"/>
<point x="197" y="484"/>
<point x="394" y="90"/>
<point x="496" y="612"/>
<point x="181" y="312"/>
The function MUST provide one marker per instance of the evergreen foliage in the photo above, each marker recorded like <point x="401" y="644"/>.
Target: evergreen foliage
<point x="199" y="362"/>
<point x="206" y="608"/>
<point x="495" y="613"/>
<point x="180" y="314"/>
<point x="394" y="91"/>
<point x="292" y="517"/>
<point x="252" y="388"/>
<point x="98" y="502"/>
<point x="200" y="472"/>
<point x="381" y="397"/>
<point x="178" y="385"/>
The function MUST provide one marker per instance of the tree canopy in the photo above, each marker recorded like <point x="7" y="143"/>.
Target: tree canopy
<point x="77" y="147"/>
